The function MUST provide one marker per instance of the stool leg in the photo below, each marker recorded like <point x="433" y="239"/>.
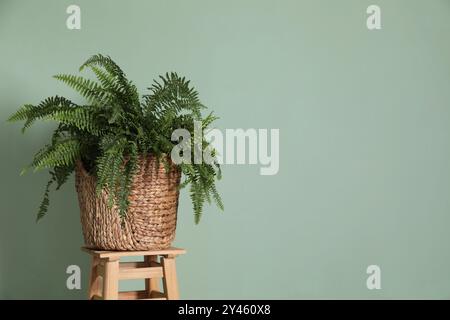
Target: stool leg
<point x="170" y="278"/>
<point x="151" y="284"/>
<point x="111" y="280"/>
<point x="94" y="281"/>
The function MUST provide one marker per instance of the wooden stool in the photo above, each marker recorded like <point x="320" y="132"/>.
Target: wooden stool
<point x="107" y="270"/>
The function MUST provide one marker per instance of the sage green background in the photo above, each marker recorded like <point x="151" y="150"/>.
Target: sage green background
<point x="364" y="119"/>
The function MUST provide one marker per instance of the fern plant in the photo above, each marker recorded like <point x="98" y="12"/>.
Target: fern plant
<point x="115" y="127"/>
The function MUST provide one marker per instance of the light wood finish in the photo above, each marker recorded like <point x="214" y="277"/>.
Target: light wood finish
<point x="141" y="295"/>
<point x="95" y="280"/>
<point x="119" y="254"/>
<point x="170" y="278"/>
<point x="107" y="270"/>
<point x="111" y="280"/>
<point x="141" y="273"/>
<point x="101" y="267"/>
<point x="139" y="264"/>
<point x="156" y="295"/>
<point x="152" y="284"/>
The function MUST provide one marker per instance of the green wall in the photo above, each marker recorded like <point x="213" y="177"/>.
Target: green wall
<point x="364" y="119"/>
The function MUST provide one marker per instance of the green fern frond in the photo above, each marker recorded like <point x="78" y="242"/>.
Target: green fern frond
<point x="105" y="78"/>
<point x="109" y="164"/>
<point x="62" y="174"/>
<point x="81" y="117"/>
<point x="43" y="207"/>
<point x="173" y="95"/>
<point x="208" y="120"/>
<point x="87" y="88"/>
<point x="219" y="171"/>
<point x="217" y="197"/>
<point x="61" y="154"/>
<point x="122" y="85"/>
<point x="23" y="113"/>
<point x="198" y="199"/>
<point x="31" y="113"/>
<point x="104" y="62"/>
<point x="127" y="179"/>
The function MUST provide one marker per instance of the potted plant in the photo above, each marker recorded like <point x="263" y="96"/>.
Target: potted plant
<point x="119" y="146"/>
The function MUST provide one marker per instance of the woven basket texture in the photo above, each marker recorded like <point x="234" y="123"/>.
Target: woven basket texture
<point x="151" y="218"/>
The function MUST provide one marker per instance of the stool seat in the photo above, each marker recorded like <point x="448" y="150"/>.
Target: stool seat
<point x="107" y="270"/>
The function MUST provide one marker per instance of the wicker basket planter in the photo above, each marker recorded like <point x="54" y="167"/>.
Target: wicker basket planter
<point x="152" y="214"/>
<point x="137" y="206"/>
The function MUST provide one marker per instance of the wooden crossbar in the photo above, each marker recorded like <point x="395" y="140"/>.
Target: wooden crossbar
<point x="140" y="273"/>
<point x="141" y="295"/>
